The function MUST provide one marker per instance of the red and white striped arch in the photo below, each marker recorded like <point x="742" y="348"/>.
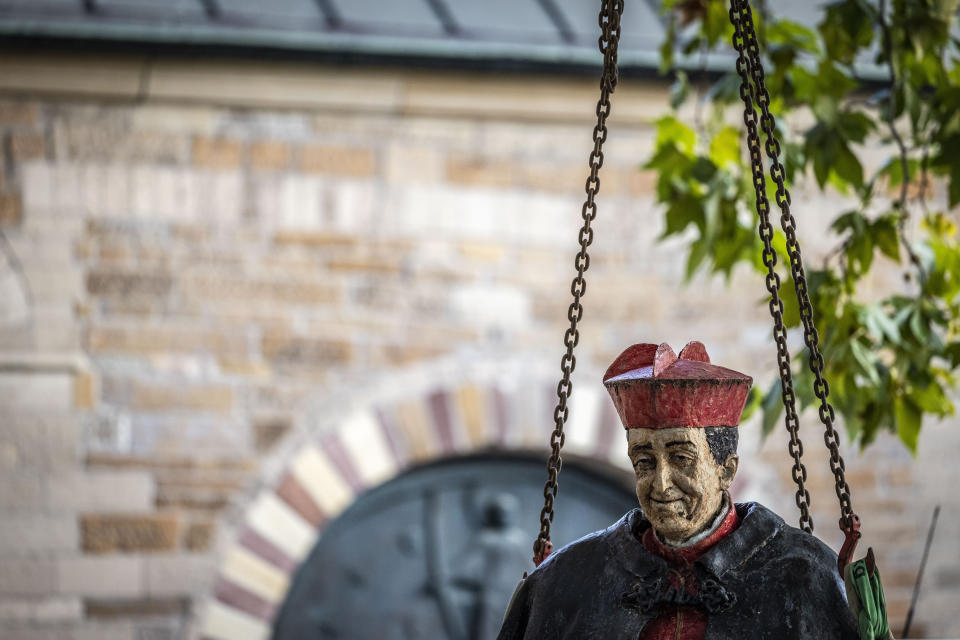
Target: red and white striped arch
<point x="369" y="447"/>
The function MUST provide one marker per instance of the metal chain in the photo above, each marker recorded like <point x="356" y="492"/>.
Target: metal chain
<point x="609" y="20"/>
<point x="741" y="13"/>
<point x="791" y="419"/>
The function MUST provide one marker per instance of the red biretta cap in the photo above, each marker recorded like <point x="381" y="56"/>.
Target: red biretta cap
<point x="653" y="388"/>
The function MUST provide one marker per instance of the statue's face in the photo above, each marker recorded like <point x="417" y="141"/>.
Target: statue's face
<point x="679" y="484"/>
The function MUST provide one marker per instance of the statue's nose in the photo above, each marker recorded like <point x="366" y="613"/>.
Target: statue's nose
<point x="662" y="481"/>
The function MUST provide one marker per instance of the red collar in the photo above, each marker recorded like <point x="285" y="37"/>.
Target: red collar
<point x="687" y="555"/>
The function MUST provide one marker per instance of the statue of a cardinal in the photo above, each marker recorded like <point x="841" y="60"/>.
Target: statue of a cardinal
<point x="689" y="564"/>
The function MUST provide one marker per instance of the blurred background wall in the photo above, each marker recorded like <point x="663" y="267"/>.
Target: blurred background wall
<point x="239" y="291"/>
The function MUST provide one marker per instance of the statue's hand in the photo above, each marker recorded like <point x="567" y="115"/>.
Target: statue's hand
<point x="865" y="599"/>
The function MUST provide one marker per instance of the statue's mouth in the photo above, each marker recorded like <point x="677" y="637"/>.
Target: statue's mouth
<point x="666" y="501"/>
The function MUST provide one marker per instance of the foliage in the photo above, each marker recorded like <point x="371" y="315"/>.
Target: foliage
<point x="869" y="72"/>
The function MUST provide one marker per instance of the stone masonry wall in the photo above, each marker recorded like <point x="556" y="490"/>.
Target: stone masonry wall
<point x="193" y="257"/>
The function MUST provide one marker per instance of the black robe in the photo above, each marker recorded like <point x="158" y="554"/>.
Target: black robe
<point x="778" y="581"/>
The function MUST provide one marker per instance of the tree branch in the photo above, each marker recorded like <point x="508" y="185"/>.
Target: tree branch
<point x="901" y="204"/>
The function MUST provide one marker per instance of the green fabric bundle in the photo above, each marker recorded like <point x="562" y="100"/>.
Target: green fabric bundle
<point x="865" y="597"/>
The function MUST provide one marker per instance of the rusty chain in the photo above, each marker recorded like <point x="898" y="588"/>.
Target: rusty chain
<point x="609" y="20"/>
<point x="791" y="419"/>
<point x="749" y="50"/>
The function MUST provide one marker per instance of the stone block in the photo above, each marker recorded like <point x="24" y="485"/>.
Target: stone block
<point x="111" y="533"/>
<point x="268" y="431"/>
<point x="199" y="536"/>
<point x="406" y="164"/>
<point x="35" y="393"/>
<point x="103" y="282"/>
<point x="205" y="397"/>
<point x="256" y="575"/>
<point x="84" y="390"/>
<point x="101" y="490"/>
<point x="33" y="440"/>
<point x="143" y="339"/>
<point x="105" y="630"/>
<point x="27" y="576"/>
<point x="179" y="575"/>
<point x="276" y="521"/>
<point x="211" y="287"/>
<point x="275" y="85"/>
<point x="42" y="610"/>
<point x="18" y="112"/>
<point x="15" y="310"/>
<point x="220" y="621"/>
<point x="341" y="161"/>
<point x="108" y="608"/>
<point x="23" y="534"/>
<point x="27" y="145"/>
<point x="22" y="489"/>
<point x="270" y="154"/>
<point x="112" y="576"/>
<point x="217" y="153"/>
<point x="304" y="352"/>
<point x="11" y="208"/>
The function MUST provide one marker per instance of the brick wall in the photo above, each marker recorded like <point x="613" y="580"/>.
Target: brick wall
<point x="211" y="267"/>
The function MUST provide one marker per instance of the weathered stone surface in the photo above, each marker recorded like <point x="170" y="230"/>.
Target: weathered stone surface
<point x="199" y="536"/>
<point x="28" y="534"/>
<point x="43" y="610"/>
<point x="27" y="145"/>
<point x="127" y="534"/>
<point x="110" y="609"/>
<point x="217" y="153"/>
<point x="84" y="390"/>
<point x="11" y="208"/>
<point x="179" y="575"/>
<point x="108" y="576"/>
<point x="150" y="397"/>
<point x="34" y="576"/>
<point x="115" y="283"/>
<point x="100" y="490"/>
<point x="270" y="154"/>
<point x="16" y="111"/>
<point x="300" y="351"/>
<point x="269" y="431"/>
<point x="343" y="161"/>
<point x="37" y="440"/>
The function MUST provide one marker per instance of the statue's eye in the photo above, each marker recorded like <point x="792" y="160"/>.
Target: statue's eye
<point x="645" y="462"/>
<point x="682" y="459"/>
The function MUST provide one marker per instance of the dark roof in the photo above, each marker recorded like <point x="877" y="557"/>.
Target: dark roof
<point x="559" y="33"/>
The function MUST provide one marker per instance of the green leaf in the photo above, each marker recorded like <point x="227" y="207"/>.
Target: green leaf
<point x="880" y="324"/>
<point x="931" y="399"/>
<point x="909" y="420"/>
<point x="846" y="164"/>
<point x="752" y="404"/>
<point x="866" y="359"/>
<point x="954" y="184"/>
<point x="772" y="405"/>
<point x="683" y="212"/>
<point x="846" y="29"/>
<point x="679" y="90"/>
<point x="698" y="251"/>
<point x="671" y="131"/>
<point x="725" y="147"/>
<point x="886" y="236"/>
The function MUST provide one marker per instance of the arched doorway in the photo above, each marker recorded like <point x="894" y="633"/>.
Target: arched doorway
<point x="320" y="476"/>
<point x="437" y="551"/>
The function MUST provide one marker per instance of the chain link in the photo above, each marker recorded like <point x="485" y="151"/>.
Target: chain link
<point x="609" y="20"/>
<point x="791" y="419"/>
<point x="749" y="51"/>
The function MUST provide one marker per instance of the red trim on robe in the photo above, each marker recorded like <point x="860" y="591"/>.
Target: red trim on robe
<point x="683" y="622"/>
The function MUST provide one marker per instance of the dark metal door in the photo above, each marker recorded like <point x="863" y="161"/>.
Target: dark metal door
<point x="437" y="552"/>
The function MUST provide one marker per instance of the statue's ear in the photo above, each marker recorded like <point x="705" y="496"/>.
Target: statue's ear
<point x="728" y="470"/>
